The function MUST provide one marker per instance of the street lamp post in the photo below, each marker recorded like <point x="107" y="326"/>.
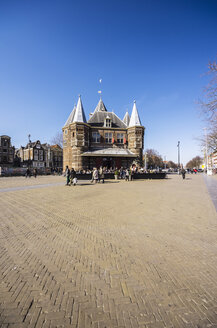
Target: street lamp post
<point x="145" y="161"/>
<point x="205" y="129"/>
<point x="178" y="154"/>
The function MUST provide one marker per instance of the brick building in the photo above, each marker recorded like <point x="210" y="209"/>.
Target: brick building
<point x="212" y="160"/>
<point x="6" y="151"/>
<point x="56" y="157"/>
<point x="104" y="140"/>
<point x="33" y="155"/>
<point x="37" y="155"/>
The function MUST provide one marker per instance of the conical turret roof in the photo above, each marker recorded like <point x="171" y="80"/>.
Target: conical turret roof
<point x="71" y="117"/>
<point x="79" y="112"/>
<point x="100" y="107"/>
<point x="134" y="119"/>
<point x="126" y="118"/>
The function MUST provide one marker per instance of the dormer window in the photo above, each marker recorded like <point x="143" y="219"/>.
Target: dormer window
<point x="107" y="122"/>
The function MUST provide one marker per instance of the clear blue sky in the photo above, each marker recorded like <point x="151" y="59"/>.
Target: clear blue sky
<point x="155" y="52"/>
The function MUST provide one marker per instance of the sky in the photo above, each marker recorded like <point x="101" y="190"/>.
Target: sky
<point x="154" y="52"/>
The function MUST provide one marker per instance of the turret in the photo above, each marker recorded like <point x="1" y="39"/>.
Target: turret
<point x="75" y="138"/>
<point x="126" y="118"/>
<point x="136" y="134"/>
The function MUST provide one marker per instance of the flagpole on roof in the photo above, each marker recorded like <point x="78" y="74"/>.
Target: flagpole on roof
<point x="100" y="91"/>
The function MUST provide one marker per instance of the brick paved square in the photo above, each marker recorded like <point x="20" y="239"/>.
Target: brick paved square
<point x="119" y="254"/>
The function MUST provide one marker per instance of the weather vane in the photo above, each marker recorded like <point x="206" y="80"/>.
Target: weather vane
<point x="100" y="91"/>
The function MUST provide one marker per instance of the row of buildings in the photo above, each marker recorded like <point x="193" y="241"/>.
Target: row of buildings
<point x="102" y="140"/>
<point x="33" y="155"/>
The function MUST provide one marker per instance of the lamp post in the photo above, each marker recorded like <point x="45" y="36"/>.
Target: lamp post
<point x="178" y="155"/>
<point x="145" y="161"/>
<point x="206" y="162"/>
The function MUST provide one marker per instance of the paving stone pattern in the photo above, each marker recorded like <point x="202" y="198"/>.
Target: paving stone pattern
<point x="211" y="183"/>
<point x="119" y="254"/>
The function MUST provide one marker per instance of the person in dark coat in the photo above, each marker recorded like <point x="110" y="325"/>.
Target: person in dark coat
<point x="67" y="172"/>
<point x="183" y="173"/>
<point x="35" y="173"/>
<point x="28" y="173"/>
<point x="73" y="178"/>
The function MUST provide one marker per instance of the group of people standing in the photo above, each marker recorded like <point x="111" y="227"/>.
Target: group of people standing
<point x="98" y="175"/>
<point x="71" y="178"/>
<point x="28" y="173"/>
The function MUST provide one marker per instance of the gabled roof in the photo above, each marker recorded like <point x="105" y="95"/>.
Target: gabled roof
<point x="98" y="118"/>
<point x="55" y="146"/>
<point x="71" y="117"/>
<point x="126" y="118"/>
<point x="100" y="114"/>
<point x="134" y="119"/>
<point x="100" y="107"/>
<point x="79" y="113"/>
<point x="32" y="144"/>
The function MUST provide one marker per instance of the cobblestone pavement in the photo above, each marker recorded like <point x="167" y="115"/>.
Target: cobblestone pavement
<point x="124" y="254"/>
<point x="211" y="183"/>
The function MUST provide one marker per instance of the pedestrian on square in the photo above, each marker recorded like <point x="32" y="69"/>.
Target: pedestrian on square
<point x="183" y="173"/>
<point x="121" y="173"/>
<point x="67" y="173"/>
<point x="101" y="174"/>
<point x="116" y="173"/>
<point x="73" y="178"/>
<point x="95" y="175"/>
<point x="35" y="173"/>
<point x="131" y="174"/>
<point x="127" y="175"/>
<point x="28" y="173"/>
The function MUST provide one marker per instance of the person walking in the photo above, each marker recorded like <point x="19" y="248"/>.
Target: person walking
<point x="116" y="173"/>
<point x="35" y="173"/>
<point x="28" y="173"/>
<point x="132" y="174"/>
<point x="101" y="174"/>
<point x="183" y="173"/>
<point x="127" y="175"/>
<point x="67" y="173"/>
<point x="73" y="178"/>
<point x="95" y="175"/>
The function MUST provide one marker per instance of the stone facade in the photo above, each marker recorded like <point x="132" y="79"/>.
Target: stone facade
<point x="7" y="151"/>
<point x="33" y="155"/>
<point x="41" y="156"/>
<point x="103" y="140"/>
<point x="56" y="157"/>
<point x="212" y="160"/>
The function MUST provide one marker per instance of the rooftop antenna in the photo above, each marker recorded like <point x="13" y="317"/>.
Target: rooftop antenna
<point x="100" y="91"/>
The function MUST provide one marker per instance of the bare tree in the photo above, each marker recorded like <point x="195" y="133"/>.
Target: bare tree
<point x="194" y="163"/>
<point x="210" y="140"/>
<point x="58" y="139"/>
<point x="209" y="104"/>
<point x="172" y="165"/>
<point x="154" y="160"/>
<point x="209" y="109"/>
